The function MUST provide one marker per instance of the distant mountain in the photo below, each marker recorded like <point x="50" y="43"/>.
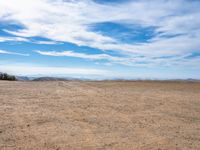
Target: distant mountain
<point x="49" y="79"/>
<point x="5" y="76"/>
<point x="190" y="79"/>
<point x="22" y="78"/>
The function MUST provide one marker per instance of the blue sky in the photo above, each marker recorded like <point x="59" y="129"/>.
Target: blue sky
<point x="158" y="39"/>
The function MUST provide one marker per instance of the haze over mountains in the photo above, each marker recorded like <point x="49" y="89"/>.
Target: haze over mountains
<point x="54" y="78"/>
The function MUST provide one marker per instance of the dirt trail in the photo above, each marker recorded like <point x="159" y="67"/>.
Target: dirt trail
<point x="99" y="115"/>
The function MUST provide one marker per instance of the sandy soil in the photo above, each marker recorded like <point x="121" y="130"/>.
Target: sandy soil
<point x="99" y="115"/>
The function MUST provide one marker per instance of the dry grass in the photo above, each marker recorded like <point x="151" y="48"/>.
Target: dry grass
<point x="99" y="115"/>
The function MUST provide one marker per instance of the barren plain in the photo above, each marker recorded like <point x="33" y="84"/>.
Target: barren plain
<point x="103" y="115"/>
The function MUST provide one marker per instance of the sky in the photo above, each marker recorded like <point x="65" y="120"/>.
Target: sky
<point x="101" y="39"/>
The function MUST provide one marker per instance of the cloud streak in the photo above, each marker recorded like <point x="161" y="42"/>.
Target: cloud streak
<point x="79" y="55"/>
<point x="12" y="53"/>
<point x="16" y="39"/>
<point x="140" y="61"/>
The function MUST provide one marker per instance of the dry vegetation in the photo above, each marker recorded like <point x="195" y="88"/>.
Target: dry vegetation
<point x="99" y="115"/>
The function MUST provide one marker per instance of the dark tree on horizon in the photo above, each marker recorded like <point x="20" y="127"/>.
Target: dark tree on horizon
<point x="5" y="76"/>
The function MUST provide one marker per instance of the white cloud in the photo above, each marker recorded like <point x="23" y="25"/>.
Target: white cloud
<point x="21" y="39"/>
<point x="46" y="42"/>
<point x="18" y="39"/>
<point x="12" y="53"/>
<point x="141" y="61"/>
<point x="80" y="55"/>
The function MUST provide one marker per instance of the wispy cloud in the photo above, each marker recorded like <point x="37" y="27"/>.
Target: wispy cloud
<point x="79" y="55"/>
<point x="46" y="42"/>
<point x="142" y="61"/>
<point x="12" y="53"/>
<point x="16" y="39"/>
<point x="21" y="39"/>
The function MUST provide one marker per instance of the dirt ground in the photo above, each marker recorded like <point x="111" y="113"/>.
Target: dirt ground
<point x="109" y="115"/>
